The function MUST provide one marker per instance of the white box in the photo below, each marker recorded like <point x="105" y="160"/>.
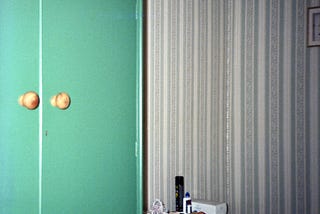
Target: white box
<point x="209" y="207"/>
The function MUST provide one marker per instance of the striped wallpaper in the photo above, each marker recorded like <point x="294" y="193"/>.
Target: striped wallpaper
<point x="233" y="101"/>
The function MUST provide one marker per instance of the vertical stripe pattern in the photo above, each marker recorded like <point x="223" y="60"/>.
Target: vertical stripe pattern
<point x="233" y="104"/>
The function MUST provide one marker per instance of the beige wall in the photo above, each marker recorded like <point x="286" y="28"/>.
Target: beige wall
<point x="233" y="104"/>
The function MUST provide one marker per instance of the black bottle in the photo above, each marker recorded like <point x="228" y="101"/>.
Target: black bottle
<point x="179" y="193"/>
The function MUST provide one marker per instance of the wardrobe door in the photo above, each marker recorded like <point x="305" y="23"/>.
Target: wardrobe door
<point x="19" y="134"/>
<point x="89" y="52"/>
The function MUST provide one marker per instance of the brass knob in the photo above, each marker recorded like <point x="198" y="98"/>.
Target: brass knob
<point x="61" y="100"/>
<point x="30" y="100"/>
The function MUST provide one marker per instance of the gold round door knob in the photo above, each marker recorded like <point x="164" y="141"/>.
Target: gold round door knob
<point x="30" y="100"/>
<point x="61" y="100"/>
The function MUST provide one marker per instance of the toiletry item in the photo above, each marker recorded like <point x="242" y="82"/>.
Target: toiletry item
<point x="187" y="208"/>
<point x="205" y="206"/>
<point x="179" y="189"/>
<point x="158" y="207"/>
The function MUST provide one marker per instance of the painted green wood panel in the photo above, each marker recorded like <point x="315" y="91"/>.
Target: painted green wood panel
<point x="18" y="126"/>
<point x="89" y="51"/>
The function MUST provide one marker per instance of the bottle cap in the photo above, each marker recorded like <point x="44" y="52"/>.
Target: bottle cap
<point x="179" y="179"/>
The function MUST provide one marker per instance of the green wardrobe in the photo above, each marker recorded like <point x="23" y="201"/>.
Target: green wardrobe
<point x="86" y="158"/>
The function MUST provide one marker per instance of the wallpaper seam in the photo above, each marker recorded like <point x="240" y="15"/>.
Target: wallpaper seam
<point x="249" y="104"/>
<point x="228" y="117"/>
<point x="256" y="91"/>
<point x="274" y="107"/>
<point x="300" y="109"/>
<point x="281" y="110"/>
